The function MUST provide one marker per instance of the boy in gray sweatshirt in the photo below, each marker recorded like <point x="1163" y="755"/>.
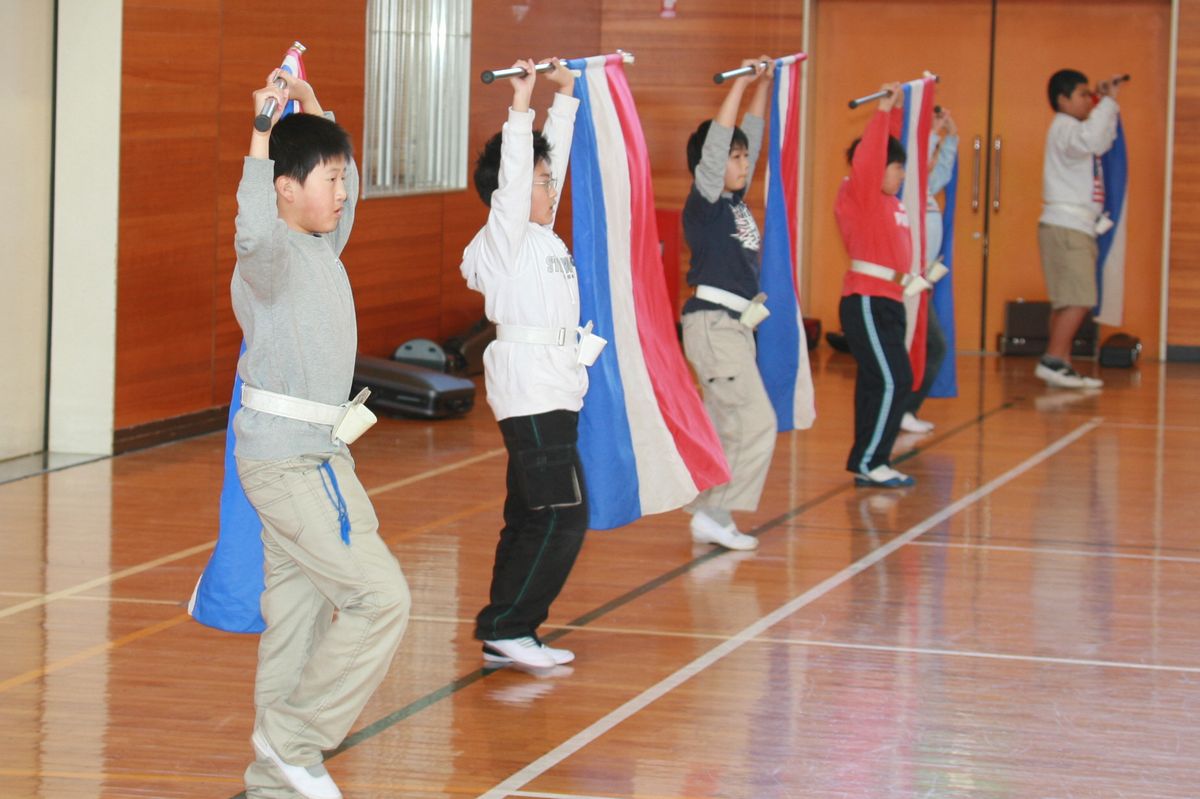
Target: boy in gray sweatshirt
<point x="322" y="549"/>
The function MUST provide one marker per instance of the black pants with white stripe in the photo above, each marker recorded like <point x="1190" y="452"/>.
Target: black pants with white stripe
<point x="874" y="328"/>
<point x="545" y="518"/>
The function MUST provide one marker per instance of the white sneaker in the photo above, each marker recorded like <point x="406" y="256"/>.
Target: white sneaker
<point x="706" y="530"/>
<point x="884" y="476"/>
<point x="312" y="782"/>
<point x="559" y="656"/>
<point x="525" y="650"/>
<point x="911" y="424"/>
<point x="1064" y="376"/>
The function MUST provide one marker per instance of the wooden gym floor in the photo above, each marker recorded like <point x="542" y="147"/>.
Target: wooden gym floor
<point x="1023" y="623"/>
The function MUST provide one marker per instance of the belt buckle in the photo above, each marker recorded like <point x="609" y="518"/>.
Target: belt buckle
<point x="562" y="336"/>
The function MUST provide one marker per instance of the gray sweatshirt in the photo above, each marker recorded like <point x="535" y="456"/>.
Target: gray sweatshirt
<point x="292" y="299"/>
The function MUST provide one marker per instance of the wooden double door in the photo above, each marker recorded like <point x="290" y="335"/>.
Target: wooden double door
<point x="994" y="58"/>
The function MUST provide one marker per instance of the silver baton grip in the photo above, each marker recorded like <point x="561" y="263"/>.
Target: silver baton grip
<point x="879" y="95"/>
<point x="262" y="122"/>
<point x="721" y="77"/>
<point x="490" y="75"/>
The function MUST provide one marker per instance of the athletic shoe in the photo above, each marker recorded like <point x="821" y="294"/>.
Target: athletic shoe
<point x="911" y="424"/>
<point x="311" y="782"/>
<point x="559" y="656"/>
<point x="706" y="530"/>
<point x="1063" y="376"/>
<point x="884" y="476"/>
<point x="526" y="651"/>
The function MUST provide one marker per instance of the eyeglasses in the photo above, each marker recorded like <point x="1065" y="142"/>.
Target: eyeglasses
<point x="549" y="183"/>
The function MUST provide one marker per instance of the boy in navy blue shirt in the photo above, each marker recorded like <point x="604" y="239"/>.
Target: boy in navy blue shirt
<point x="718" y="321"/>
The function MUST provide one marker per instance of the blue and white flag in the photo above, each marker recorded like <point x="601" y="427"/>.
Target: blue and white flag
<point x="945" y="382"/>
<point x="646" y="443"/>
<point x="227" y="594"/>
<point x="1110" y="262"/>
<point x="782" y="347"/>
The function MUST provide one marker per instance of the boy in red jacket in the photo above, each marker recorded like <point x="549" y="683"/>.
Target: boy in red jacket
<point x="874" y="228"/>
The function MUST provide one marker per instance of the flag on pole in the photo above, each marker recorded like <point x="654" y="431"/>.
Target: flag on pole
<point x="645" y="440"/>
<point x="227" y="594"/>
<point x="782" y="347"/>
<point x="1110" y="261"/>
<point x="293" y="63"/>
<point x="945" y="383"/>
<point x="911" y="125"/>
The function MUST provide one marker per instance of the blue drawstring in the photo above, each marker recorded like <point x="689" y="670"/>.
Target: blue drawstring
<point x="335" y="497"/>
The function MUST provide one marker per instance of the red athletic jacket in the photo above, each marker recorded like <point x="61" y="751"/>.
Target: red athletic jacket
<point x="874" y="225"/>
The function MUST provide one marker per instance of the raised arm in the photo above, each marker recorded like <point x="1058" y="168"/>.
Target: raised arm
<point x="508" y="219"/>
<point x="259" y="234"/>
<point x="1096" y="134"/>
<point x="559" y="129"/>
<point x="870" y="157"/>
<point x="754" y="120"/>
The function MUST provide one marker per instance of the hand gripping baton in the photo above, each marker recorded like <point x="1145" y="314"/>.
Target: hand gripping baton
<point x="262" y="122"/>
<point x="786" y="60"/>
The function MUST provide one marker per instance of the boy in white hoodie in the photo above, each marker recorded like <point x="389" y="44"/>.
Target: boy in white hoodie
<point x="535" y="380"/>
<point x="1073" y="196"/>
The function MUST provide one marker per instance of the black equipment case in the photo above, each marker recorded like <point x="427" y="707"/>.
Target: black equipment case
<point x="408" y="390"/>
<point x="1120" y="349"/>
<point x="1027" y="331"/>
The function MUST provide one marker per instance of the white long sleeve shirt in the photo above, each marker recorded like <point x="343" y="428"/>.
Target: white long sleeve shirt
<point x="527" y="277"/>
<point x="1070" y="168"/>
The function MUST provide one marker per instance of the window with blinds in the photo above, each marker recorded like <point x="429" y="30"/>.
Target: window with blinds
<point x="417" y="89"/>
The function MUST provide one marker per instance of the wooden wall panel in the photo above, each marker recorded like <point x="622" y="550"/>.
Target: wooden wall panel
<point x="189" y="67"/>
<point x="672" y="79"/>
<point x="1183" y="314"/>
<point x="171" y="62"/>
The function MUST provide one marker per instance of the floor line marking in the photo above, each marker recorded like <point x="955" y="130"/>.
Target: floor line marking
<point x="449" y="467"/>
<point x="430" y="699"/>
<point x="539" y="794"/>
<point x="124" y="600"/>
<point x="38" y="673"/>
<point x="182" y="554"/>
<point x="525" y="775"/>
<point x="967" y="653"/>
<point x="1173" y="428"/>
<point x="765" y="639"/>
<point x="1081" y="553"/>
<point x="112" y="577"/>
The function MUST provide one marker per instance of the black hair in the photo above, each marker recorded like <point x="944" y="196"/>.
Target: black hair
<point x="1064" y="82"/>
<point x="695" y="144"/>
<point x="896" y="153"/>
<point x="487" y="165"/>
<point x="300" y="142"/>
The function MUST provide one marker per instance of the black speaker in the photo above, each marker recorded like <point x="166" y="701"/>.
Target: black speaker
<point x="1027" y="331"/>
<point x="1120" y="349"/>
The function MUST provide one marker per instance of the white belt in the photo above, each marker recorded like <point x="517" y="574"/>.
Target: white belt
<point x="301" y="410"/>
<point x="726" y="299"/>
<point x="521" y="334"/>
<point x="1100" y="223"/>
<point x="346" y="422"/>
<point x="913" y="284"/>
<point x="1082" y="213"/>
<point x="881" y="272"/>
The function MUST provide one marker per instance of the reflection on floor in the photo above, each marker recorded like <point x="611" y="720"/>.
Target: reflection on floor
<point x="1022" y="623"/>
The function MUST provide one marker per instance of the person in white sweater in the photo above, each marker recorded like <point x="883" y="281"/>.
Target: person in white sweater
<point x="534" y="373"/>
<point x="1073" y="197"/>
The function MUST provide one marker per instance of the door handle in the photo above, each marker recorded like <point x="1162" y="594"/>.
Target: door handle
<point x="977" y="147"/>
<point x="996" y="175"/>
